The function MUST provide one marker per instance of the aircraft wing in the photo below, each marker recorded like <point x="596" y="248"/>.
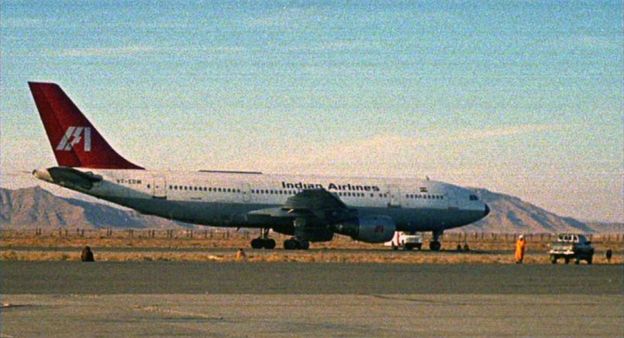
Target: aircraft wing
<point x="318" y="204"/>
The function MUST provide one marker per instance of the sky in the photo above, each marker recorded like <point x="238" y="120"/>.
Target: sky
<point x="519" y="97"/>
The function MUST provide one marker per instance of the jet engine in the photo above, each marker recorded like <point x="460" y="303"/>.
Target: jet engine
<point x="371" y="229"/>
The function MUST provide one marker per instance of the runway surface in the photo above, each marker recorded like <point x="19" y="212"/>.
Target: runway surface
<point x="308" y="299"/>
<point x="306" y="278"/>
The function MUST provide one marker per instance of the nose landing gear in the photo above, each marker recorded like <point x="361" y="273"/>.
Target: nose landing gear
<point x="263" y="241"/>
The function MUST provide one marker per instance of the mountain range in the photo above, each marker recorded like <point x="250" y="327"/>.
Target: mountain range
<point x="38" y="208"/>
<point x="35" y="207"/>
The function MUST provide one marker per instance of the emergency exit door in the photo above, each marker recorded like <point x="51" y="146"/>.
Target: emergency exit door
<point x="159" y="187"/>
<point x="394" y="197"/>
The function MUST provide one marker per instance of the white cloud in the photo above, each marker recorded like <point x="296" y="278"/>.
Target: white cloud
<point x="585" y="42"/>
<point x="104" y="52"/>
<point x="20" y="23"/>
<point x="505" y="131"/>
<point x="286" y="18"/>
<point x="599" y="42"/>
<point x="431" y="152"/>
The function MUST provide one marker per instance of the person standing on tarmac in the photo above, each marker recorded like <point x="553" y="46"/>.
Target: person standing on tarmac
<point x="520" y="248"/>
<point x="87" y="255"/>
<point x="240" y="255"/>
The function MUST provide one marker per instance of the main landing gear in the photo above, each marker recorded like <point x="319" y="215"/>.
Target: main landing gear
<point x="434" y="244"/>
<point x="296" y="244"/>
<point x="263" y="241"/>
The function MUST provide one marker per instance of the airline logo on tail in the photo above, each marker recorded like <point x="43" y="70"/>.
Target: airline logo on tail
<point x="73" y="136"/>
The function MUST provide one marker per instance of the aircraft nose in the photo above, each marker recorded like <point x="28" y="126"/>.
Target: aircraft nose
<point x="42" y="174"/>
<point x="486" y="211"/>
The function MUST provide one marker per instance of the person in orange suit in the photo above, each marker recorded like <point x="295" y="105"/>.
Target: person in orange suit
<point x="520" y="247"/>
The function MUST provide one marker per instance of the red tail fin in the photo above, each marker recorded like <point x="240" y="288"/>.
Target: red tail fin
<point x="76" y="143"/>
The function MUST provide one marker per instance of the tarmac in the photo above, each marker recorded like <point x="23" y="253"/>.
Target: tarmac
<point x="309" y="299"/>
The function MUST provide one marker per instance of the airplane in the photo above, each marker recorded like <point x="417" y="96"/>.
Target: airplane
<point x="308" y="208"/>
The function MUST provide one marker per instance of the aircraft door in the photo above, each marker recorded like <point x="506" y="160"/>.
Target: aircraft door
<point x="394" y="195"/>
<point x="452" y="200"/>
<point x="246" y="192"/>
<point x="159" y="187"/>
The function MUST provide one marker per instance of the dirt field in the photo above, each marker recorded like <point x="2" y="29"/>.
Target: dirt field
<point x="212" y="245"/>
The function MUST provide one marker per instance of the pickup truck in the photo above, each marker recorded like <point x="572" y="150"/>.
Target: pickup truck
<point x="571" y="246"/>
<point x="406" y="240"/>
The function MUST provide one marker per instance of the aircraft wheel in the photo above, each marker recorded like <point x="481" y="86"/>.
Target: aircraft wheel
<point x="566" y="260"/>
<point x="257" y="243"/>
<point x="269" y="244"/>
<point x="304" y="245"/>
<point x="291" y="244"/>
<point x="435" y="246"/>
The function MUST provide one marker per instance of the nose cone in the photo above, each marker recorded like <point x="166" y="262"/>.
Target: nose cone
<point x="42" y="174"/>
<point x="486" y="211"/>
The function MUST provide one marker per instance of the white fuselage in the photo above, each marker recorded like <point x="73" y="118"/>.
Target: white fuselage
<point x="234" y="198"/>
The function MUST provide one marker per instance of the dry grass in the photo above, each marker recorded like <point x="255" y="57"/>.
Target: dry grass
<point x="314" y="256"/>
<point x="485" y="249"/>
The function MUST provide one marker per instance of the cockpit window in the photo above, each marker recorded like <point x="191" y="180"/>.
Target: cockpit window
<point x="474" y="198"/>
